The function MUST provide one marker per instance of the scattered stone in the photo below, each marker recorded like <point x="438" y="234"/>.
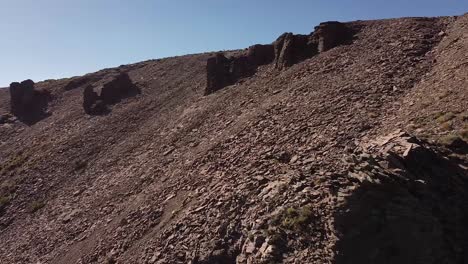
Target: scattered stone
<point x="7" y="119"/>
<point x="294" y="159"/>
<point x="169" y="151"/>
<point x="234" y="200"/>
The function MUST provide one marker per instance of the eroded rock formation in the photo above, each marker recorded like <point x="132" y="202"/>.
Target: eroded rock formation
<point x="26" y="102"/>
<point x="218" y="75"/>
<point x="331" y="34"/>
<point x="21" y="95"/>
<point x="286" y="51"/>
<point x="261" y="54"/>
<point x="108" y="91"/>
<point x="291" y="49"/>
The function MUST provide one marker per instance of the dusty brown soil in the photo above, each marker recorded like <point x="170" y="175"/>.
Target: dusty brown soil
<point x="287" y="166"/>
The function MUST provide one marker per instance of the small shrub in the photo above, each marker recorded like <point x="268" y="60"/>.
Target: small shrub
<point x="447" y="126"/>
<point x="464" y="116"/>
<point x="291" y="211"/>
<point x="464" y="134"/>
<point x="445" y="117"/>
<point x="16" y="161"/>
<point x="4" y="201"/>
<point x="275" y="239"/>
<point x="35" y="206"/>
<point x="8" y="187"/>
<point x="296" y="219"/>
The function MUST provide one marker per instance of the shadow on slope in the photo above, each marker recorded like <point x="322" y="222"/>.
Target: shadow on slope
<point x="413" y="211"/>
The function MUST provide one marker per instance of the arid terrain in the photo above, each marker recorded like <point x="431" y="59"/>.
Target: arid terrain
<point x="348" y="145"/>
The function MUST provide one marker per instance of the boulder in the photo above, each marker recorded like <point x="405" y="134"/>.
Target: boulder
<point x="116" y="88"/>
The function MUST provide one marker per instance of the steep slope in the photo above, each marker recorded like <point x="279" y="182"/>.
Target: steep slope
<point x="278" y="166"/>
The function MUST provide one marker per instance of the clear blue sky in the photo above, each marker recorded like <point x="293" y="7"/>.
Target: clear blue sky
<point x="42" y="39"/>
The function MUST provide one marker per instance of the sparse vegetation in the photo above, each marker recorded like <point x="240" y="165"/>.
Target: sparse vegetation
<point x="445" y="117"/>
<point x="448" y="140"/>
<point x="464" y="134"/>
<point x="8" y="187"/>
<point x="4" y="200"/>
<point x="275" y="238"/>
<point x="16" y="161"/>
<point x="296" y="219"/>
<point x="464" y="116"/>
<point x="35" y="206"/>
<point x="300" y="160"/>
<point x="447" y="126"/>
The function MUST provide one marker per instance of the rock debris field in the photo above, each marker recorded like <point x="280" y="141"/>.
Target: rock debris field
<point x="347" y="145"/>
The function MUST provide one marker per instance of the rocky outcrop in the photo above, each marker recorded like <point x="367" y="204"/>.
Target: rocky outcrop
<point x="92" y="103"/>
<point x="286" y="51"/>
<point x="261" y="54"/>
<point x="331" y="34"/>
<point x="291" y="49"/>
<point x="26" y="102"/>
<point x="222" y="71"/>
<point x="218" y="73"/>
<point x="21" y="96"/>
<point x="106" y="92"/>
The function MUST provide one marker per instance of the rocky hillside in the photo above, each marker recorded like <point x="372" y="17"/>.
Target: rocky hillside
<point x="347" y="145"/>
